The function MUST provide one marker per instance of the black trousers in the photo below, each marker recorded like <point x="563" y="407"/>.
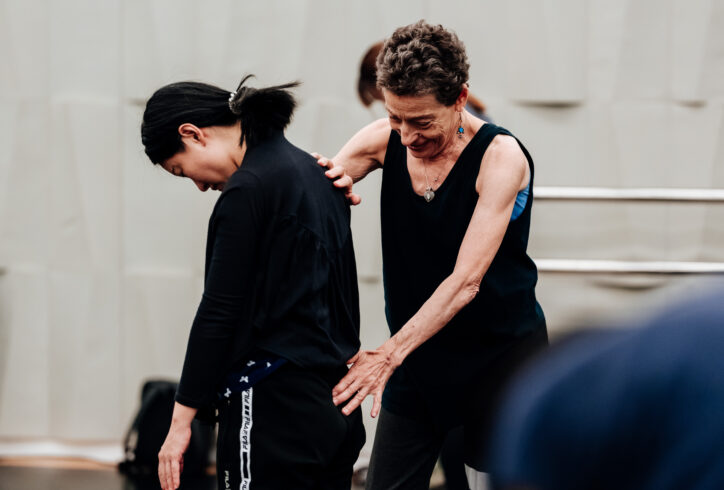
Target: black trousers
<point x="406" y="449"/>
<point x="286" y="433"/>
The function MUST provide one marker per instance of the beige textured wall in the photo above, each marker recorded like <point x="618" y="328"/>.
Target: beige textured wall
<point x="103" y="254"/>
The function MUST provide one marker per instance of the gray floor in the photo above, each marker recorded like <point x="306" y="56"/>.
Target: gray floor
<point x="34" y="478"/>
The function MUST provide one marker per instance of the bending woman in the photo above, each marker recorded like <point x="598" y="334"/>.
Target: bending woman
<point x="459" y="286"/>
<point x="279" y="315"/>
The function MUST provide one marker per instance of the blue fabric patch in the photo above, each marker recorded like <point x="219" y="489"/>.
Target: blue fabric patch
<point x="520" y="201"/>
<point x="254" y="371"/>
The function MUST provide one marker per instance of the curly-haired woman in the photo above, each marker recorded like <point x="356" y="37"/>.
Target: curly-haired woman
<point x="459" y="285"/>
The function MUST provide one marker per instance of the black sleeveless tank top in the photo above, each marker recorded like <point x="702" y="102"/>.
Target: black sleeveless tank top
<point x="420" y="244"/>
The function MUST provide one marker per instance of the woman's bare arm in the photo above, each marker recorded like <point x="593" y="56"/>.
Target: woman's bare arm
<point x="503" y="172"/>
<point x="363" y="153"/>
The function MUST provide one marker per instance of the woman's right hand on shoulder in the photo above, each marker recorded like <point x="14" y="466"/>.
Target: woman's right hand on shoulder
<point x="339" y="178"/>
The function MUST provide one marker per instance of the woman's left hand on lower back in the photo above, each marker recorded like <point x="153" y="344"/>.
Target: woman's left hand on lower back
<point x="370" y="371"/>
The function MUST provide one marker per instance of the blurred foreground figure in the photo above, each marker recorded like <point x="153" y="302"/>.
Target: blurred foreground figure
<point x="621" y="409"/>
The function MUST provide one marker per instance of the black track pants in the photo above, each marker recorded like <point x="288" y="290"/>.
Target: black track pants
<point x="285" y="433"/>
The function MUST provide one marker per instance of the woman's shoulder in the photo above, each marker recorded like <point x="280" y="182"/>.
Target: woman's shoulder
<point x="370" y="141"/>
<point x="376" y="135"/>
<point x="267" y="162"/>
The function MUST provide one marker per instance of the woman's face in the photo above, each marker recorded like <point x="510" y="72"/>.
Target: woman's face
<point x="210" y="155"/>
<point x="426" y="127"/>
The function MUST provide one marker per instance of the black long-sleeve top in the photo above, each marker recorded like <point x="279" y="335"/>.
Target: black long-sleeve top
<point x="280" y="272"/>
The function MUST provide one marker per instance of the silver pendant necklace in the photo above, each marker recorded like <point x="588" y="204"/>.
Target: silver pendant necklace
<point x="429" y="194"/>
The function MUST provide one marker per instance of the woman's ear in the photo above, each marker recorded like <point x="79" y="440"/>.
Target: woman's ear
<point x="462" y="99"/>
<point x="191" y="134"/>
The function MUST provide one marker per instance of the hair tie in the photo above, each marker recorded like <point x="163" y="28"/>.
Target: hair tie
<point x="232" y="95"/>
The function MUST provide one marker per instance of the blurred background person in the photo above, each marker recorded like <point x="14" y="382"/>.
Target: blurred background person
<point x="639" y="408"/>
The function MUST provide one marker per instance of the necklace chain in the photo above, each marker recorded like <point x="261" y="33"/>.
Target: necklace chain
<point x="429" y="194"/>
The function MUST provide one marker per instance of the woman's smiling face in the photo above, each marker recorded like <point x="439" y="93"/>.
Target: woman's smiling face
<point x="426" y="127"/>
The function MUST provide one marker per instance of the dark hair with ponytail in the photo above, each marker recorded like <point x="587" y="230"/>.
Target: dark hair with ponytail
<point x="261" y="111"/>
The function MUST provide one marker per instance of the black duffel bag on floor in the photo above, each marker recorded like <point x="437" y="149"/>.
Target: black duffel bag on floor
<point x="148" y="430"/>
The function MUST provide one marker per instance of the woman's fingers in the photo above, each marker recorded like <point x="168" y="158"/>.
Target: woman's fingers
<point x="323" y="161"/>
<point x="355" y="402"/>
<point x="170" y="457"/>
<point x="354" y="358"/>
<point x="343" y="385"/>
<point x="169" y="475"/>
<point x="347" y="379"/>
<point x="335" y="173"/>
<point x="354" y="199"/>
<point x="175" y="473"/>
<point x="161" y="475"/>
<point x="376" y="405"/>
<point x="368" y="375"/>
<point x="351" y="388"/>
<point x="343" y="181"/>
<point x="169" y="472"/>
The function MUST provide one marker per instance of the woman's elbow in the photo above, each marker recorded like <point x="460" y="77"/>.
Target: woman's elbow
<point x="469" y="290"/>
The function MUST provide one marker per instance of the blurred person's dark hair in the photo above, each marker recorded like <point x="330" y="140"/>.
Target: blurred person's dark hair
<point x="261" y="111"/>
<point x="367" y="82"/>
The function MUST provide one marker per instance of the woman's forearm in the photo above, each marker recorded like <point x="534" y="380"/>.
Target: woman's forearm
<point x="449" y="298"/>
<point x="182" y="415"/>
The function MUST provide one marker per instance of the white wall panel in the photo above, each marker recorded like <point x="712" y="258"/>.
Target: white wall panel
<point x="265" y="38"/>
<point x="714" y="229"/>
<point x="405" y="12"/>
<point x="642" y="134"/>
<point x="24" y="223"/>
<point x="164" y="218"/>
<point x="85" y="367"/>
<point x="85" y="48"/>
<point x="143" y="66"/>
<point x="8" y="116"/>
<point x="644" y="51"/>
<point x="158" y="310"/>
<point x="690" y="34"/>
<point x="557" y="152"/>
<point x="25" y="49"/>
<point x="712" y="66"/>
<point x="105" y="251"/>
<point x="578" y="230"/>
<point x="25" y="402"/>
<point x="85" y="205"/>
<point x="546" y="51"/>
<point x="606" y="23"/>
